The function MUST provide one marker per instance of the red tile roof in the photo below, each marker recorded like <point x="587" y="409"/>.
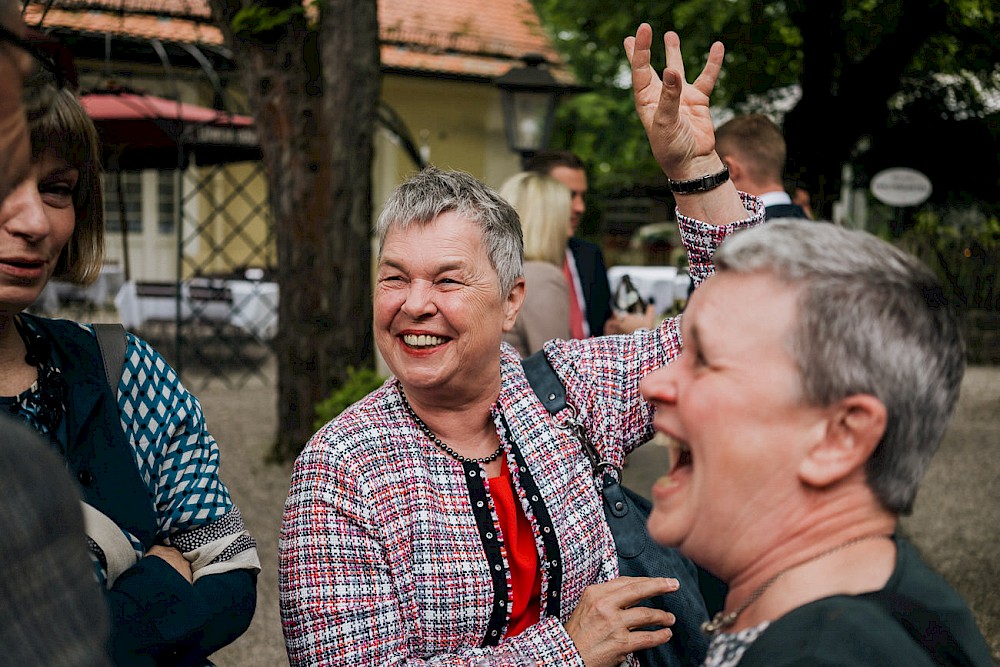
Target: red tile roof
<point x="475" y="38"/>
<point x="131" y="25"/>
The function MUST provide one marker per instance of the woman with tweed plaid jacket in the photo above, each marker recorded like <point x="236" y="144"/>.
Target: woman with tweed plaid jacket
<point x="447" y="516"/>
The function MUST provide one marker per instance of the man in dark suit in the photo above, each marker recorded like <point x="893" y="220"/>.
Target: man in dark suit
<point x="593" y="277"/>
<point x="753" y="148"/>
<point x="590" y="275"/>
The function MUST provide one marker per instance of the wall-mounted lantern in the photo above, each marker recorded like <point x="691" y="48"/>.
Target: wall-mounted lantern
<point x="529" y="95"/>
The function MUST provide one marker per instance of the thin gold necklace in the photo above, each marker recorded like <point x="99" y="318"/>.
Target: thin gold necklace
<point x="723" y="620"/>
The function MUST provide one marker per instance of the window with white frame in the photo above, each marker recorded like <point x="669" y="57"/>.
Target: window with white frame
<point x="166" y="206"/>
<point x="149" y="199"/>
<point x="123" y="195"/>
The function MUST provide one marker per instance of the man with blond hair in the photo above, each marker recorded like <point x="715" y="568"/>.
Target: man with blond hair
<point x="753" y="148"/>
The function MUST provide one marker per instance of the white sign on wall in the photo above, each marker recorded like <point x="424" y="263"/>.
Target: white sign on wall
<point x="901" y="186"/>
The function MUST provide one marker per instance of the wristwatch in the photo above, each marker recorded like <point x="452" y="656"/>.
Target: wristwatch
<point x="702" y="184"/>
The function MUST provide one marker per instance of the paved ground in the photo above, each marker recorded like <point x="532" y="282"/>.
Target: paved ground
<point x="956" y="522"/>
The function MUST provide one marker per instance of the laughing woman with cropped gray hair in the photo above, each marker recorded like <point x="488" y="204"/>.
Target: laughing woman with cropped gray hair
<point x="819" y="371"/>
<point x="897" y="314"/>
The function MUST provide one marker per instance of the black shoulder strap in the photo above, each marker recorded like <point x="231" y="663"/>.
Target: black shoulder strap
<point x="924" y="626"/>
<point x="552" y="393"/>
<point x="544" y="381"/>
<point x="111" y="342"/>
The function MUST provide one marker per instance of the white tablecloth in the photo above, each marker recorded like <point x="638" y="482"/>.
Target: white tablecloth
<point x="255" y="307"/>
<point x="136" y="310"/>
<point x="251" y="306"/>
<point x="662" y="284"/>
<point x="57" y="292"/>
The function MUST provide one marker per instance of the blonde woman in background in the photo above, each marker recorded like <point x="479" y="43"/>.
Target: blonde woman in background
<point x="543" y="205"/>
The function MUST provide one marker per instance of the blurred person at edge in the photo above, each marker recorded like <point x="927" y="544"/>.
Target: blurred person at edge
<point x="16" y="64"/>
<point x="169" y="547"/>
<point x="820" y="368"/>
<point x="50" y="611"/>
<point x="543" y="205"/>
<point x="447" y="515"/>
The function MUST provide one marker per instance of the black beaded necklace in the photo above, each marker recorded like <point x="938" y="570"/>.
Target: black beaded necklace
<point x="441" y="444"/>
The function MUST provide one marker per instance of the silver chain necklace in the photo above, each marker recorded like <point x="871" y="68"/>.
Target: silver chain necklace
<point x="723" y="620"/>
<point x="441" y="444"/>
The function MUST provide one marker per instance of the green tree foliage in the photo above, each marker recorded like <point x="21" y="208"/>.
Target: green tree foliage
<point x="964" y="252"/>
<point x="858" y="62"/>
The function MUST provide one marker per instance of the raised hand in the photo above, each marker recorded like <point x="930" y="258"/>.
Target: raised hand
<point x="602" y="624"/>
<point x="675" y="113"/>
<point x="678" y="122"/>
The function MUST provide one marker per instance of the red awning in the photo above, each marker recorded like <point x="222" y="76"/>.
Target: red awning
<point x="140" y="131"/>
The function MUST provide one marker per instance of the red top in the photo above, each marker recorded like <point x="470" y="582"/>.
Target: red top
<point x="522" y="555"/>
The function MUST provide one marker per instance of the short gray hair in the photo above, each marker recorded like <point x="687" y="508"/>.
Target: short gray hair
<point x="872" y="320"/>
<point x="432" y="192"/>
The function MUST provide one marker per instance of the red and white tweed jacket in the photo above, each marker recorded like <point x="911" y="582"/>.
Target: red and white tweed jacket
<point x="390" y="552"/>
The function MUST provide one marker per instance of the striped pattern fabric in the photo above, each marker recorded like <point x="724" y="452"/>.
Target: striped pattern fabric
<point x="388" y="549"/>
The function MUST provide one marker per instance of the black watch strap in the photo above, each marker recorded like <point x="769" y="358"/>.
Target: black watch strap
<point x="702" y="184"/>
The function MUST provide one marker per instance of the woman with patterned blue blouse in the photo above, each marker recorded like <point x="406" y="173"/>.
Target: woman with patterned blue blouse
<point x="169" y="546"/>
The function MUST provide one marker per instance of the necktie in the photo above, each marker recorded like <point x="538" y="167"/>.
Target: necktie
<point x="575" y="312"/>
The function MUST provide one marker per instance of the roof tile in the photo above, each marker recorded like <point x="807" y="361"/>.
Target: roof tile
<point x="478" y="38"/>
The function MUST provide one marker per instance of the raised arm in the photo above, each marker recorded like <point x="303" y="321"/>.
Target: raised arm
<point x="677" y="120"/>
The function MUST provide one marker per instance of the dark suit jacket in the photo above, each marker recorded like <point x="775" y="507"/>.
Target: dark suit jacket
<point x="784" y="211"/>
<point x="594" y="280"/>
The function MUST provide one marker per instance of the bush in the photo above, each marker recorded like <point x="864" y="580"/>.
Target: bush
<point x="964" y="249"/>
<point x="360" y="383"/>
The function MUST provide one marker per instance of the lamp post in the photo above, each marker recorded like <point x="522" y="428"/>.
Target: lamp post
<point x="529" y="95"/>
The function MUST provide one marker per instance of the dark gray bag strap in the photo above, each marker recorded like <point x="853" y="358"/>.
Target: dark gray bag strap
<point x="545" y="382"/>
<point x="552" y="393"/>
<point x="111" y="341"/>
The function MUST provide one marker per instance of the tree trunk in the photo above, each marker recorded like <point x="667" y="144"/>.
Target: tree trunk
<point x="845" y="90"/>
<point x="313" y="84"/>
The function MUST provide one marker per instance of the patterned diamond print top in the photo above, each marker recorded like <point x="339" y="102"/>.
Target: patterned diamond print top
<point x="177" y="458"/>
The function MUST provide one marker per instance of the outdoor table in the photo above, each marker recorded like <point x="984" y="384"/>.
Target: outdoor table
<point x="248" y="305"/>
<point x="58" y="293"/>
